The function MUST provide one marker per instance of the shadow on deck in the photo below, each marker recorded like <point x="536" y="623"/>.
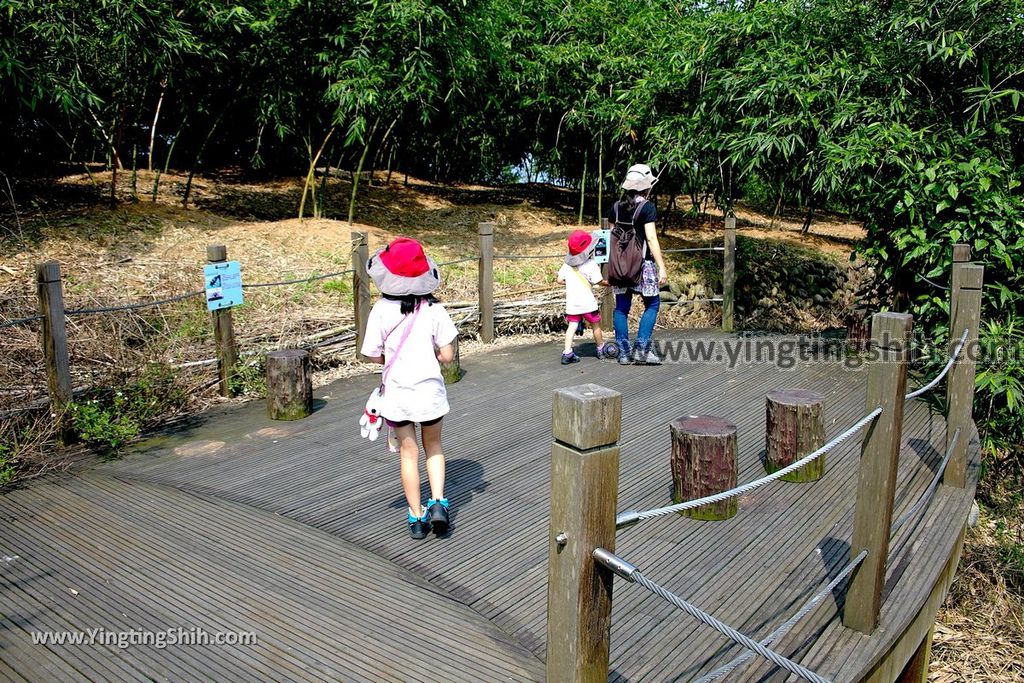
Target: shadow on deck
<point x="295" y="531"/>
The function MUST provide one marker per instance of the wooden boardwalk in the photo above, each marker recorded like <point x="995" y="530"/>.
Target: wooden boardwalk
<point x="295" y="531"/>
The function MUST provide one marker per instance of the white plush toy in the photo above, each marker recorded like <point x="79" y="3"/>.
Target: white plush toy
<point x="371" y="421"/>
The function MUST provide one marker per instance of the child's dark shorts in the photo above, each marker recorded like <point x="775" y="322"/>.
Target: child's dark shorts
<point x="406" y="423"/>
<point x="593" y="317"/>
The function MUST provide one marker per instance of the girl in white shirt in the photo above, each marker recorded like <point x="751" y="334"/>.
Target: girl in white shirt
<point x="410" y="333"/>
<point x="580" y="273"/>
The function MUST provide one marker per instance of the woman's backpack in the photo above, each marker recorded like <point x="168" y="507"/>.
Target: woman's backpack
<point x="626" y="252"/>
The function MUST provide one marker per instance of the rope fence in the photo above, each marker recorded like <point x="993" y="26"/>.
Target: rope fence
<point x="312" y="278"/>
<point x="21" y="321"/>
<point x="632" y="574"/>
<point x="630" y="517"/>
<point x="929" y="492"/>
<point x="691" y="249"/>
<point x="938" y="378"/>
<point x="458" y="261"/>
<point x="525" y="257"/>
<point x="785" y="626"/>
<point x="135" y="306"/>
<point x="936" y="285"/>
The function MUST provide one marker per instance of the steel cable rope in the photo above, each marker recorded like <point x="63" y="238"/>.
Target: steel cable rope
<point x="938" y="378"/>
<point x="633" y="574"/>
<point x="632" y="516"/>
<point x="21" y="321"/>
<point x="930" y="491"/>
<point x="784" y="627"/>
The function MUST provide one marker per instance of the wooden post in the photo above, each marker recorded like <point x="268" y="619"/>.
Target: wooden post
<point x="794" y="427"/>
<point x="916" y="670"/>
<point x="584" y="496"/>
<point x="486" y="282"/>
<point x="879" y="458"/>
<point x="360" y="287"/>
<point x="54" y="338"/>
<point x="289" y="384"/>
<point x="704" y="463"/>
<point x="729" y="275"/>
<point x="960" y="384"/>
<point x="961" y="254"/>
<point x="452" y="372"/>
<point x="608" y="300"/>
<point x="223" y="329"/>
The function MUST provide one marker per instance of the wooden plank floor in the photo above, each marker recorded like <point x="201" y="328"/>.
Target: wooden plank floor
<point x="296" y="531"/>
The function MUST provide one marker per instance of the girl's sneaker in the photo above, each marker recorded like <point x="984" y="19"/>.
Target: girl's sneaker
<point x="437" y="513"/>
<point x="571" y="357"/>
<point x="419" y="527"/>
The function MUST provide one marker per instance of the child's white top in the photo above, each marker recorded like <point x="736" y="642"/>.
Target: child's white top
<point x="413" y="389"/>
<point x="579" y="296"/>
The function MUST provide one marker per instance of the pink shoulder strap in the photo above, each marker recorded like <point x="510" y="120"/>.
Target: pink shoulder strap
<point x="401" y="342"/>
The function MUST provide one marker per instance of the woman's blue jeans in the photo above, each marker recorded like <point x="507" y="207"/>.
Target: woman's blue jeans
<point x="623" y="302"/>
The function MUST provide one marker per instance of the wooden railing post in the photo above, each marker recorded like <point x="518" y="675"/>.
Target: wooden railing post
<point x="966" y="305"/>
<point x="729" y="276"/>
<point x="879" y="458"/>
<point x="584" y="497"/>
<point x="961" y="254"/>
<point x="486" y="282"/>
<point x="223" y="329"/>
<point x="55" y="343"/>
<point x="360" y="287"/>
<point x="608" y="300"/>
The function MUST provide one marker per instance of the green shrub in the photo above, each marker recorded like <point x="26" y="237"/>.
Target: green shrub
<point x="250" y="379"/>
<point x="110" y="420"/>
<point x="7" y="469"/>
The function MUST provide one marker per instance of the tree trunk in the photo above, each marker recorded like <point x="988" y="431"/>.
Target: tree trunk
<point x="156" y="118"/>
<point x="289" y="385"/>
<point x="359" y="171"/>
<point x="807" y="220"/>
<point x="167" y="161"/>
<point x="704" y="463"/>
<point x="309" y="187"/>
<point x="583" y="187"/>
<point x="794" y="427"/>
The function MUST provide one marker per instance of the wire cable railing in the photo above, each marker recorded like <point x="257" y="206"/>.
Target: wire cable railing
<point x="949" y="364"/>
<point x="135" y="306"/>
<point x="783" y="628"/>
<point x="632" y="516"/>
<point x="312" y="278"/>
<point x="633" y="574"/>
<point x="21" y="321"/>
<point x="932" y="487"/>
<point x="686" y="250"/>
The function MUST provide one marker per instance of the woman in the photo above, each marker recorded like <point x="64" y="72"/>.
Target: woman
<point x="635" y="211"/>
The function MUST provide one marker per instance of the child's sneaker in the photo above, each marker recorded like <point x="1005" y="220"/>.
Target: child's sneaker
<point x="601" y="350"/>
<point x="419" y="527"/>
<point x="437" y="512"/>
<point x="571" y="357"/>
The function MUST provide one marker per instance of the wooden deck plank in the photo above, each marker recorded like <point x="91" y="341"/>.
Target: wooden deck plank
<point x="752" y="571"/>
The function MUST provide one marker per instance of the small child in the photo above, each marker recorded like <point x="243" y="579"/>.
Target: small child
<point x="410" y="333"/>
<point x="580" y="273"/>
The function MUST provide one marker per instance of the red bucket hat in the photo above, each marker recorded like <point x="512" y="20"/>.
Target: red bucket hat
<point x="401" y="269"/>
<point x="581" y="248"/>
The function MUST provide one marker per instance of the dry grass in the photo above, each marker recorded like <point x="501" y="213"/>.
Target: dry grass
<point x="979" y="636"/>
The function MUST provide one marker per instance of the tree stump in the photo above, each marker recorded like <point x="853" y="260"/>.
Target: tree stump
<point x="289" y="385"/>
<point x="452" y="372"/>
<point x="794" y="427"/>
<point x="704" y="463"/>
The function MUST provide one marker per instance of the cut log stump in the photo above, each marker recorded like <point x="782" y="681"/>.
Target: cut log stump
<point x="452" y="372"/>
<point x="289" y="385"/>
<point x="704" y="463"/>
<point x="794" y="427"/>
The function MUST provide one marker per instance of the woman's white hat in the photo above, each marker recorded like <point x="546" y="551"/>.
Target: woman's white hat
<point x="401" y="269"/>
<point x="639" y="177"/>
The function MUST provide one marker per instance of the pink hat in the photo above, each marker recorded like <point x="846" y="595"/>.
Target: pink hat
<point x="581" y="248"/>
<point x="401" y="269"/>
